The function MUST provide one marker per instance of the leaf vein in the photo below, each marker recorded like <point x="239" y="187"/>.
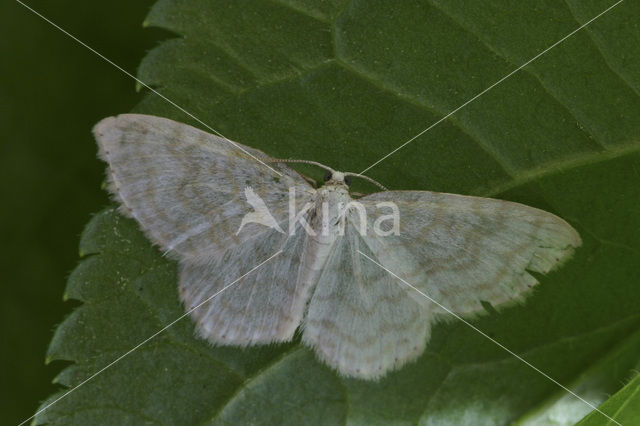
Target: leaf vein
<point x="605" y="58"/>
<point x="588" y="136"/>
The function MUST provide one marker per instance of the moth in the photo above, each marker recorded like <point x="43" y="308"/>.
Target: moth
<point x="219" y="208"/>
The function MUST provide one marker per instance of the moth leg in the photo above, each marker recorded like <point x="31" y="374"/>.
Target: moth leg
<point x="311" y="181"/>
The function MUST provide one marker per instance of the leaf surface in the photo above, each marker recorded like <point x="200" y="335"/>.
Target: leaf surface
<point x="624" y="407"/>
<point x="345" y="83"/>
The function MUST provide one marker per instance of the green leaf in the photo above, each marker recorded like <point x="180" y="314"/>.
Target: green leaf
<point x="345" y="83"/>
<point x="563" y="408"/>
<point x="624" y="407"/>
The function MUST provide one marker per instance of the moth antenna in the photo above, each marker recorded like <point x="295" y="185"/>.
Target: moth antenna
<point x="290" y="160"/>
<point x="367" y="178"/>
<point x="315" y="163"/>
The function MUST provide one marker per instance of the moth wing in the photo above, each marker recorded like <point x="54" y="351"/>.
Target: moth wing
<point x="462" y="250"/>
<point x="188" y="189"/>
<point x="264" y="306"/>
<point x="361" y="320"/>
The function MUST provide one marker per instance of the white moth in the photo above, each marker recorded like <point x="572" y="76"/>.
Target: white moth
<point x="190" y="191"/>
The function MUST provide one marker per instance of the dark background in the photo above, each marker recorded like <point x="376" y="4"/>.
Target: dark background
<point x="52" y="91"/>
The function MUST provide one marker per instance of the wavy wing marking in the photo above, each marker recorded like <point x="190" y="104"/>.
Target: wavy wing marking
<point x="185" y="187"/>
<point x="361" y="320"/>
<point x="462" y="250"/>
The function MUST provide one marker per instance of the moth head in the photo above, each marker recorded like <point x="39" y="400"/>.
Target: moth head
<point x="331" y="177"/>
<point x="337" y="178"/>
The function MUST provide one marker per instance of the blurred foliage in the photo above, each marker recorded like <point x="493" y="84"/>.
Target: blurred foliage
<point x="52" y="91"/>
